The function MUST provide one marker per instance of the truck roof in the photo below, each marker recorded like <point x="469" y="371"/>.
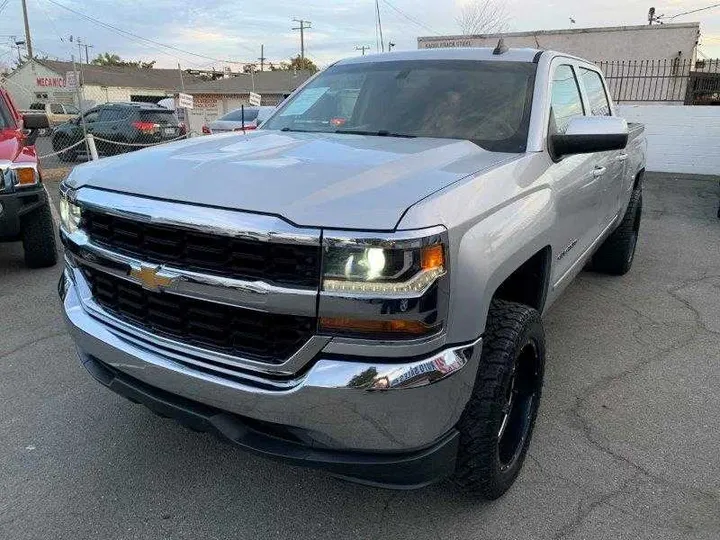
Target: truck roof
<point x="457" y="53"/>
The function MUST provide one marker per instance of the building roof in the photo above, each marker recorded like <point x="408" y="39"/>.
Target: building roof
<point x="266" y="82"/>
<point x="127" y="76"/>
<point x="644" y="27"/>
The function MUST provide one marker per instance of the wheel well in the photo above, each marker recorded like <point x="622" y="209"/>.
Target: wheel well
<point x="528" y="284"/>
<point x="638" y="179"/>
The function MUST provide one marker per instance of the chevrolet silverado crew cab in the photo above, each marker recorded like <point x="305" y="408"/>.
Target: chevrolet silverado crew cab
<point x="358" y="285"/>
<point x="24" y="205"/>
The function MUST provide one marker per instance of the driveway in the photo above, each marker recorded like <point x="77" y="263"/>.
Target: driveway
<point x="626" y="444"/>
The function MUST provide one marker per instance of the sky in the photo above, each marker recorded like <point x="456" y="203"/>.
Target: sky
<point x="222" y="33"/>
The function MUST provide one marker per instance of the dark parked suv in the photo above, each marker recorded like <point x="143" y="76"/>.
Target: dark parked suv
<point x="124" y="123"/>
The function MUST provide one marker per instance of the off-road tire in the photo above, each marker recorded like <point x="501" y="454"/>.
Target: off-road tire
<point x="616" y="254"/>
<point x="38" y="238"/>
<point x="511" y="328"/>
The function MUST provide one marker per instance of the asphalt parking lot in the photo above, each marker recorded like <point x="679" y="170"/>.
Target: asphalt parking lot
<point x="626" y="444"/>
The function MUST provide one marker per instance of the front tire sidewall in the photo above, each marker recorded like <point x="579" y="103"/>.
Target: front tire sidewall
<point x="511" y="327"/>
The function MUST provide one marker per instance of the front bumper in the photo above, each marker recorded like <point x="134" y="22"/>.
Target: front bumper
<point x="392" y="411"/>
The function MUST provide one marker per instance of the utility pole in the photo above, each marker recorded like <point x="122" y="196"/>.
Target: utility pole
<point x="363" y="49"/>
<point x="262" y="58"/>
<point x="28" y="43"/>
<point x="182" y="81"/>
<point x="304" y="25"/>
<point x="87" y="55"/>
<point x="377" y="8"/>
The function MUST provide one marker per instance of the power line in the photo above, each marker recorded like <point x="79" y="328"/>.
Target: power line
<point x="693" y="11"/>
<point x="146" y="40"/>
<point x="409" y="17"/>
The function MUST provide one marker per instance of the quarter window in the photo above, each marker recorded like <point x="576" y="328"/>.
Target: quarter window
<point x="595" y="89"/>
<point x="565" y="101"/>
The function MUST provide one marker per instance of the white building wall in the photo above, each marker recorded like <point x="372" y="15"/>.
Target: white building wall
<point x="32" y="82"/>
<point x="681" y="139"/>
<point x="95" y="95"/>
<point x="596" y="44"/>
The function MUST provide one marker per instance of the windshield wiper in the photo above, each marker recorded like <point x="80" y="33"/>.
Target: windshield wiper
<point x="299" y="130"/>
<point x="380" y="133"/>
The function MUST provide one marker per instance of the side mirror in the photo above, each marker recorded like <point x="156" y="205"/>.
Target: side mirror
<point x="586" y="134"/>
<point x="32" y="124"/>
<point x="35" y="121"/>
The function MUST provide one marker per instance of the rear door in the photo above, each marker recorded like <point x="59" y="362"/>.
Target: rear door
<point x="576" y="178"/>
<point x="598" y="104"/>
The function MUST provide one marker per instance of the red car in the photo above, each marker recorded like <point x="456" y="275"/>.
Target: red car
<point x="24" y="203"/>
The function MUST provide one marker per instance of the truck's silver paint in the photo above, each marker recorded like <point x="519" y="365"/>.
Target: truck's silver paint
<point x="498" y="210"/>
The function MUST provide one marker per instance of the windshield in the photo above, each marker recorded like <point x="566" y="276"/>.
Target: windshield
<point x="236" y="116"/>
<point x="484" y="102"/>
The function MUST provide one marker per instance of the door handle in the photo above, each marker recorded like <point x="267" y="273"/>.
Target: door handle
<point x="622" y="157"/>
<point x="599" y="171"/>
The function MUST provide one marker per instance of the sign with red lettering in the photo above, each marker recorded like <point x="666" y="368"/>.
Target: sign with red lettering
<point x="55" y="82"/>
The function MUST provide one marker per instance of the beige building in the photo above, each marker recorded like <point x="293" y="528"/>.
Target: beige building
<point x="642" y="64"/>
<point x="653" y="42"/>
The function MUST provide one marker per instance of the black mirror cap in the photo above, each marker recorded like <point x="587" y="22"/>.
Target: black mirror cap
<point x="35" y="121"/>
<point x="563" y="145"/>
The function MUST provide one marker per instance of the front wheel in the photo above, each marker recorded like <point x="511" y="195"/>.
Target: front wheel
<point x="497" y="424"/>
<point x="38" y="238"/>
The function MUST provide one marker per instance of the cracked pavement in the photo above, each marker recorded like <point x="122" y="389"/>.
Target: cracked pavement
<point x="625" y="445"/>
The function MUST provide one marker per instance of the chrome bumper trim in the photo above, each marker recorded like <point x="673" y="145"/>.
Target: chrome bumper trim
<point x="360" y="405"/>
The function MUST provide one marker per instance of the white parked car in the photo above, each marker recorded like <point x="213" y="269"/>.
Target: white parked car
<point x="239" y="120"/>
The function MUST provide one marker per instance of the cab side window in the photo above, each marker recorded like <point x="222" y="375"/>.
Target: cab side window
<point x="595" y="89"/>
<point x="56" y="108"/>
<point x="565" y="100"/>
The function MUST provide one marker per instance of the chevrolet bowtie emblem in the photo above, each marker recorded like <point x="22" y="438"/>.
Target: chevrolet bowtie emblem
<point x="151" y="277"/>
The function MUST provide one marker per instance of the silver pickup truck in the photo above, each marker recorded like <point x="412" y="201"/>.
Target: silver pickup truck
<point x="358" y="286"/>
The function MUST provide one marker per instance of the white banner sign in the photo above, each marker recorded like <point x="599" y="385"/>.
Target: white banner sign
<point x="185" y="101"/>
<point x="255" y="99"/>
<point x="70" y="80"/>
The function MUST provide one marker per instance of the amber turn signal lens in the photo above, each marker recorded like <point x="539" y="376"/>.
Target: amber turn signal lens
<point x="433" y="257"/>
<point x="361" y="326"/>
<point x="25" y="176"/>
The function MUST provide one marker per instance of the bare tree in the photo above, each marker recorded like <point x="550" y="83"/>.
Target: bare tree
<point x="483" y="17"/>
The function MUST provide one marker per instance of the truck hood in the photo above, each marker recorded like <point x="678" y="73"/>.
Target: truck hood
<point x="310" y="179"/>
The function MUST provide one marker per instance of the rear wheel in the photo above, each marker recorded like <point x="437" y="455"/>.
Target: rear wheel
<point x="615" y="256"/>
<point x="497" y="424"/>
<point x="38" y="238"/>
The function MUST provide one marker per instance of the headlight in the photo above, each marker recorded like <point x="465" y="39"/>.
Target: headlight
<point x="70" y="214"/>
<point x="388" y="287"/>
<point x="382" y="270"/>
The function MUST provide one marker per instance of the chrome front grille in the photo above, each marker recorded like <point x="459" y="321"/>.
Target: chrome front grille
<point x="216" y="287"/>
<point x="239" y="258"/>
